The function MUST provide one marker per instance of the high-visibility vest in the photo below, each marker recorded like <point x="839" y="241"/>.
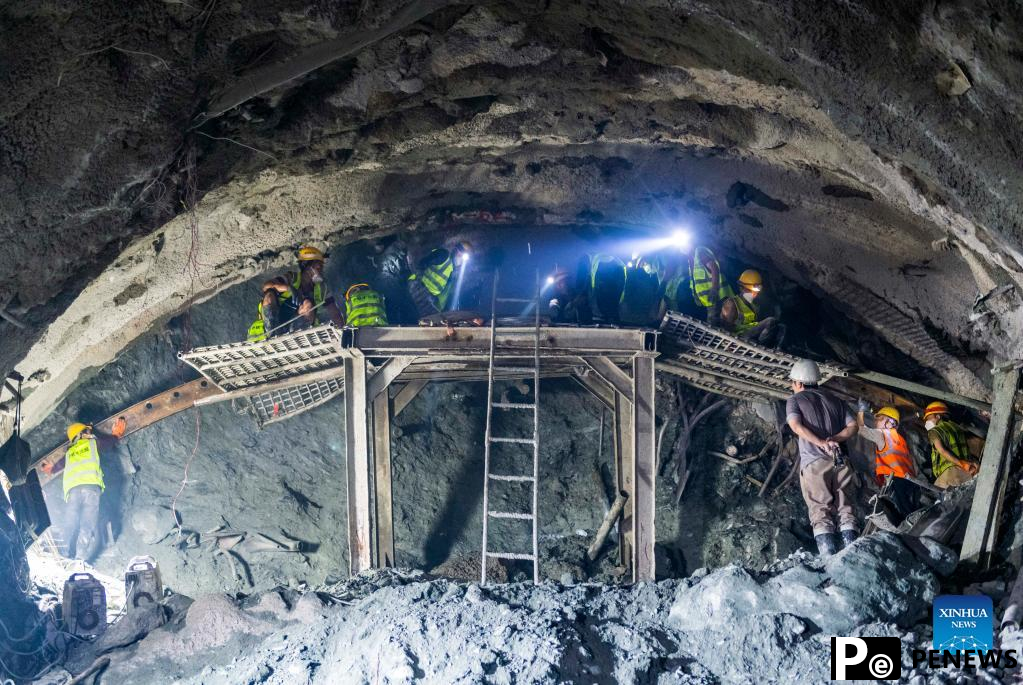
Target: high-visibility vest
<point x="677" y="285"/>
<point x="598" y="259"/>
<point x="365" y="308"/>
<point x="954" y="440"/>
<point x="436" y="278"/>
<point x="894" y="458"/>
<point x="257" y="331"/>
<point x="702" y="281"/>
<point x="746" y="314"/>
<point x="81" y="465"/>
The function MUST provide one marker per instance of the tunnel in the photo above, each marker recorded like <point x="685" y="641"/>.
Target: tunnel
<point x="548" y="474"/>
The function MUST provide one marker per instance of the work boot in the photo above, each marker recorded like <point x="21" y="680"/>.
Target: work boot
<point x="848" y="537"/>
<point x="827" y="544"/>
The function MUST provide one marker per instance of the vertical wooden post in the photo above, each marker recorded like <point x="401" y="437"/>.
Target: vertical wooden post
<point x="644" y="468"/>
<point x="359" y="467"/>
<point x="384" y="527"/>
<point x="625" y="458"/>
<point x="982" y="527"/>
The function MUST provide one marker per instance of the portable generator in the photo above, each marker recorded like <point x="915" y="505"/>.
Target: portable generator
<point x="85" y="605"/>
<point x="142" y="584"/>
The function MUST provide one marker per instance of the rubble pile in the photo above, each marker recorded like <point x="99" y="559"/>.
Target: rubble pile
<point x="727" y="626"/>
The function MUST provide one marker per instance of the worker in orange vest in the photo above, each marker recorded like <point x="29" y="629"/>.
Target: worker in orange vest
<point x="894" y="463"/>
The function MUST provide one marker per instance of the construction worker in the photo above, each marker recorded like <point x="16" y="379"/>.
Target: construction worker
<point x="83" y="485"/>
<point x="291" y="296"/>
<point x="693" y="284"/>
<point x="432" y="283"/>
<point x="567" y="299"/>
<point x="672" y="268"/>
<point x="823" y="424"/>
<point x="741" y="315"/>
<point x="392" y="266"/>
<point x="364" y="307"/>
<point x="894" y="463"/>
<point x="641" y="294"/>
<point x="607" y="285"/>
<point x="950" y="456"/>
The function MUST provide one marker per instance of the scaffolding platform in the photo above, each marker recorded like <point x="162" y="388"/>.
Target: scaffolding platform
<point x="292" y="373"/>
<point x="712" y="360"/>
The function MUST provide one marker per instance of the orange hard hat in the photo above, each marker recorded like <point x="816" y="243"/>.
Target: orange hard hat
<point x="935" y="408"/>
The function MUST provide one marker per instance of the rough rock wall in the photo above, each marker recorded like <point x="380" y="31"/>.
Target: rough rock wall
<point x="288" y="480"/>
<point x="866" y="131"/>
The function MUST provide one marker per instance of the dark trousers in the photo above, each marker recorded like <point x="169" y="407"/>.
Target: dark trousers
<point x="82" y="521"/>
<point x="905" y="495"/>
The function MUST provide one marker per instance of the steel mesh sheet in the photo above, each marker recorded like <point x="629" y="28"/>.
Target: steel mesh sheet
<point x="277" y="405"/>
<point x="238" y="365"/>
<point x="716" y="361"/>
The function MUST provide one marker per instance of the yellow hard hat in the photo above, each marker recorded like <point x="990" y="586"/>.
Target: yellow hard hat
<point x="935" y="408"/>
<point x="890" y="412"/>
<point x="75" y="429"/>
<point x="348" y="295"/>
<point x="751" y="280"/>
<point x="308" y="253"/>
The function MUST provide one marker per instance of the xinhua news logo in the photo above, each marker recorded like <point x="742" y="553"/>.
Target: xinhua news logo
<point x="866" y="658"/>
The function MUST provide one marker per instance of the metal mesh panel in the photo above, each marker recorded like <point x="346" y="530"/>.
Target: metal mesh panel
<point x="713" y="360"/>
<point x="277" y="405"/>
<point x="239" y="365"/>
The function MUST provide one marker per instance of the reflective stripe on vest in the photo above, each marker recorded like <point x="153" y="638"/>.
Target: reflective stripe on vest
<point x="436" y="278"/>
<point x="257" y="330"/>
<point x="894" y="458"/>
<point x="746" y="315"/>
<point x="678" y="284"/>
<point x="81" y="465"/>
<point x="365" y="308"/>
<point x="702" y="280"/>
<point x="954" y="440"/>
<point x="599" y="259"/>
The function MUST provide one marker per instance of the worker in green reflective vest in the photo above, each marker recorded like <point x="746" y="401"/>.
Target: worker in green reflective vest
<point x="294" y="298"/>
<point x="607" y="285"/>
<point x="83" y="485"/>
<point x="740" y="313"/>
<point x="692" y="283"/>
<point x="951" y="464"/>
<point x="364" y="307"/>
<point x="433" y="281"/>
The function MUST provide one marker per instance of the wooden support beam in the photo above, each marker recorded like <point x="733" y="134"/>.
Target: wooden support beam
<point x="927" y="391"/>
<point x="614" y="376"/>
<point x="597" y="387"/>
<point x="386" y="373"/>
<point x="645" y="468"/>
<point x="405" y="395"/>
<point x="359" y="468"/>
<point x="982" y="527"/>
<point x="384" y="523"/>
<point x="625" y="475"/>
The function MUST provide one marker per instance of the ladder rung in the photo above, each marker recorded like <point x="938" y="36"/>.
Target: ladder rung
<point x="513" y="405"/>
<point x="509" y="555"/>
<point x="515" y="369"/>
<point x="493" y="476"/>
<point x="509" y="515"/>
<point x="518" y="441"/>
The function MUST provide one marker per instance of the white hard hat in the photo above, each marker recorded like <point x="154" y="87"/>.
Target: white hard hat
<point x="805" y="371"/>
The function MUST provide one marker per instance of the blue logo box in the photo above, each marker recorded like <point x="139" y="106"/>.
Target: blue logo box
<point x="963" y="622"/>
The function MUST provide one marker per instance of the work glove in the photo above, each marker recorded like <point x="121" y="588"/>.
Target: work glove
<point x="862" y="406"/>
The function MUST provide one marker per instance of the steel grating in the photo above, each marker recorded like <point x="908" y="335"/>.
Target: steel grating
<point x="243" y="364"/>
<point x="277" y="405"/>
<point x="713" y="360"/>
